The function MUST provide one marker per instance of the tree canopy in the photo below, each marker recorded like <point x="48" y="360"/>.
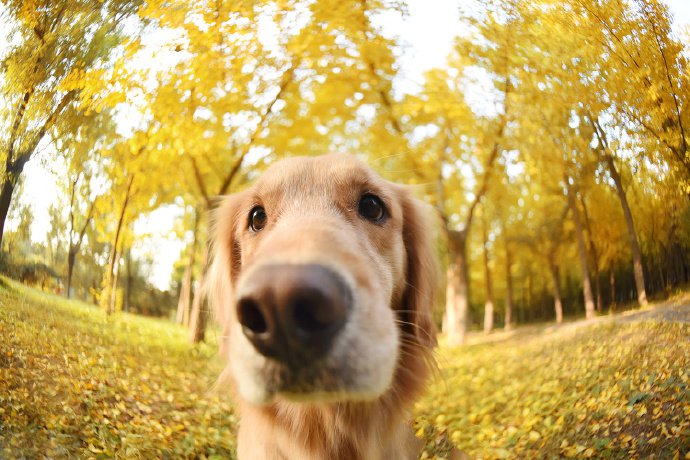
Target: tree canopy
<point x="566" y="193"/>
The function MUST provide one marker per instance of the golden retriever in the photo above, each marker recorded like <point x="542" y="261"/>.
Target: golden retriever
<point x="323" y="278"/>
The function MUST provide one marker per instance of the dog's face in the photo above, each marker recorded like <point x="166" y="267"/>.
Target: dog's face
<point x="321" y="272"/>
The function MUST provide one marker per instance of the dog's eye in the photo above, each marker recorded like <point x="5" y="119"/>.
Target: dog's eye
<point x="257" y="218"/>
<point x="371" y="208"/>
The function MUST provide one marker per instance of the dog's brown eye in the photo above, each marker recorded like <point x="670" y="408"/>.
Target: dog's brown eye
<point x="257" y="218"/>
<point x="371" y="208"/>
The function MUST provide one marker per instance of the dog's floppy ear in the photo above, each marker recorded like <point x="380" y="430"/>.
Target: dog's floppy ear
<point x="226" y="263"/>
<point x="422" y="273"/>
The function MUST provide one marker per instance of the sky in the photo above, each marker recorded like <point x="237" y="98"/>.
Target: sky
<point x="426" y="36"/>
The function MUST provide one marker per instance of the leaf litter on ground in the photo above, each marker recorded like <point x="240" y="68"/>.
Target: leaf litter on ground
<point x="77" y="383"/>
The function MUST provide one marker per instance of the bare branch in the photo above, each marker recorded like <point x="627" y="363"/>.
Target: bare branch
<point x="25" y="155"/>
<point x="200" y="181"/>
<point x="286" y="79"/>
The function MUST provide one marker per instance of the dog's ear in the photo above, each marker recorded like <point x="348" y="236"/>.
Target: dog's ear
<point x="422" y="272"/>
<point x="226" y="261"/>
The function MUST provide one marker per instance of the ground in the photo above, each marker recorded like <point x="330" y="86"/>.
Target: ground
<point x="616" y="386"/>
<point x="75" y="383"/>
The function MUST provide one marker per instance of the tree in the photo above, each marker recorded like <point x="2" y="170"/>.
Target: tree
<point x="602" y="148"/>
<point x="82" y="153"/>
<point x="55" y="235"/>
<point x="20" y="238"/>
<point x="488" y="285"/>
<point x="645" y="54"/>
<point x="228" y="103"/>
<point x="52" y="72"/>
<point x="493" y="50"/>
<point x="184" y="302"/>
<point x="140" y="178"/>
<point x="581" y="246"/>
<point x="629" y="45"/>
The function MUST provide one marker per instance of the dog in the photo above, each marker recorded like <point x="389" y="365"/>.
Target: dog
<point x="323" y="278"/>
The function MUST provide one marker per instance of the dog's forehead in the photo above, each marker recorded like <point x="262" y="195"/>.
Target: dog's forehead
<point x="298" y="175"/>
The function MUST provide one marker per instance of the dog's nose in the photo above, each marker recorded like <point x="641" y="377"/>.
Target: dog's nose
<point x="292" y="313"/>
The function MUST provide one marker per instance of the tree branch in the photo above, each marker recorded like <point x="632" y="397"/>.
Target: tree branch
<point x="286" y="79"/>
<point x="25" y="155"/>
<point x="494" y="151"/>
<point x="200" y="181"/>
<point x="89" y="216"/>
<point x="485" y="179"/>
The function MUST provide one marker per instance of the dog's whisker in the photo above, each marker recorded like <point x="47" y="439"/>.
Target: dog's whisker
<point x="428" y="335"/>
<point x="386" y="157"/>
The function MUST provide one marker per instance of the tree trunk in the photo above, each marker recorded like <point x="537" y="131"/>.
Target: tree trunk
<point x="509" y="289"/>
<point x="594" y="255"/>
<point x="638" y="270"/>
<point x="632" y="236"/>
<point x="557" y="302"/>
<point x="113" y="287"/>
<point x="458" y="311"/>
<point x="489" y="303"/>
<point x="457" y="308"/>
<point x="612" y="287"/>
<point x="113" y="253"/>
<point x="586" y="283"/>
<point x="5" y="200"/>
<point x="450" y="295"/>
<point x="71" y="258"/>
<point x="184" y="303"/>
<point x="185" y="297"/>
<point x="200" y="313"/>
<point x="75" y="246"/>
<point x="530" y="292"/>
<point x="14" y="165"/>
<point x="597" y="289"/>
<point x="128" y="284"/>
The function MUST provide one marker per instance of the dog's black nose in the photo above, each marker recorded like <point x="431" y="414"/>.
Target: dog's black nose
<point x="292" y="313"/>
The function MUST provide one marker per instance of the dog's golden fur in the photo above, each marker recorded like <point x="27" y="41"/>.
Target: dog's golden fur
<point x="357" y="403"/>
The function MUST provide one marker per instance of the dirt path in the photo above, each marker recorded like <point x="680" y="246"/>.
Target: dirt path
<point x="675" y="309"/>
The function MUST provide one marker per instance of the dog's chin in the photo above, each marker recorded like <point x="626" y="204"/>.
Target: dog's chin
<point x="263" y="397"/>
<point x="328" y="397"/>
<point x="311" y="386"/>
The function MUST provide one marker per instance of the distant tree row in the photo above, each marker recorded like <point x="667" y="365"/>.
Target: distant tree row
<point x="566" y="191"/>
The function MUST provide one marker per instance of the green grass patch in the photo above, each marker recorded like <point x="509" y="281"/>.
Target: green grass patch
<point x="75" y="383"/>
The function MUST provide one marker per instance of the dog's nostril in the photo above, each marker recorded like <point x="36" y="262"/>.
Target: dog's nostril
<point x="250" y="316"/>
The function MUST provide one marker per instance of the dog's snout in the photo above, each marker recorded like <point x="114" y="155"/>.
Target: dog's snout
<point x="292" y="313"/>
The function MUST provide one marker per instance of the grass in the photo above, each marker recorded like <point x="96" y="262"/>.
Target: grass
<point x="617" y="389"/>
<point x="77" y="384"/>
